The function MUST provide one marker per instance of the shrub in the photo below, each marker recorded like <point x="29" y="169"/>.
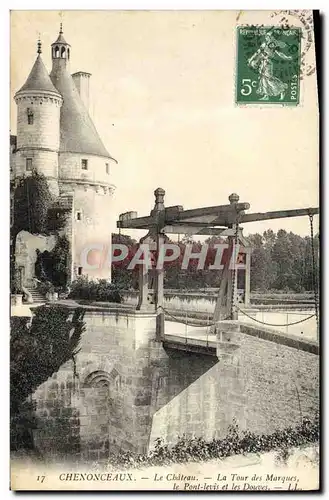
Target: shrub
<point x="15" y="288"/>
<point x="100" y="290"/>
<point x="53" y="266"/>
<point x="196" y="449"/>
<point x="57" y="218"/>
<point x="45" y="287"/>
<point x="37" y="351"/>
<point x="32" y="199"/>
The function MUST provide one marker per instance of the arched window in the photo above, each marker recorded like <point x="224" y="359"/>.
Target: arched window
<point x="56" y="51"/>
<point x="63" y="52"/>
<point x="97" y="379"/>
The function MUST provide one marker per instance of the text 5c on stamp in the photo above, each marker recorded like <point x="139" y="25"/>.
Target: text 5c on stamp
<point x="268" y="65"/>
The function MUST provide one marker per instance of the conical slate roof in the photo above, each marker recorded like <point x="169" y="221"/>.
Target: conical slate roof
<point x="77" y="131"/>
<point x="38" y="78"/>
<point x="60" y="39"/>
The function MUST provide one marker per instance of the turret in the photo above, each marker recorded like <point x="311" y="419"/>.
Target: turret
<point x="57" y="137"/>
<point x="60" y="51"/>
<point x="85" y="165"/>
<point x="38" y="125"/>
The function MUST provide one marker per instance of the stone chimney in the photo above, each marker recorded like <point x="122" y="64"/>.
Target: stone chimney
<point x="81" y="80"/>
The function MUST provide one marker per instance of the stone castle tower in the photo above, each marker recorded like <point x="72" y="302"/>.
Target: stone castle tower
<point x="56" y="137"/>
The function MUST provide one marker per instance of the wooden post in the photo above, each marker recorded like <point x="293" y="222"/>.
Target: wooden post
<point x="232" y="280"/>
<point x="159" y="214"/>
<point x="233" y="275"/>
<point x="247" y="278"/>
<point x="143" y="285"/>
<point x="224" y="299"/>
<point x="201" y="221"/>
<point x="159" y="293"/>
<point x="153" y="239"/>
<point x="220" y="309"/>
<point x="144" y="277"/>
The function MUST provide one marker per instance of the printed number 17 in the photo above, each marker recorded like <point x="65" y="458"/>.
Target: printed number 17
<point x="247" y="87"/>
<point x="41" y="478"/>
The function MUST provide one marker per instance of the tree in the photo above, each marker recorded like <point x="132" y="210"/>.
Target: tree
<point x="32" y="198"/>
<point x="282" y="256"/>
<point x="33" y="211"/>
<point x="279" y="261"/>
<point x="53" y="266"/>
<point x="310" y="275"/>
<point x="123" y="277"/>
<point x="36" y="353"/>
<point x="100" y="290"/>
<point x="258" y="271"/>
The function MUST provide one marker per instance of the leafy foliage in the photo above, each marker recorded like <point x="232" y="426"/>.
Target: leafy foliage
<point x="57" y="218"/>
<point x="38" y="351"/>
<point x="283" y="261"/>
<point x="33" y="211"/>
<point x="193" y="449"/>
<point x="100" y="290"/>
<point x="15" y="285"/>
<point x="32" y="199"/>
<point x="121" y="276"/>
<point x="45" y="287"/>
<point x="279" y="261"/>
<point x="53" y="266"/>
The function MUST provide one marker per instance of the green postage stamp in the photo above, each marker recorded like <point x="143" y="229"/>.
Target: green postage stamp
<point x="268" y="65"/>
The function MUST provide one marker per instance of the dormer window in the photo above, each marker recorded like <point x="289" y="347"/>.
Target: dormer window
<point x="84" y="164"/>
<point x="30" y="116"/>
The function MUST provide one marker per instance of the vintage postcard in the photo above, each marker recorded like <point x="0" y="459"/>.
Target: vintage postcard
<point x="164" y="189"/>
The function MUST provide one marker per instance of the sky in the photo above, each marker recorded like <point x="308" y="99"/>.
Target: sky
<point x="163" y="101"/>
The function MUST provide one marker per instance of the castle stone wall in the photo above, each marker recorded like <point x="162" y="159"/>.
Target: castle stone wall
<point x="93" y="230"/>
<point x="26" y="246"/>
<point x="45" y="162"/>
<point x="269" y="386"/>
<point x="70" y="168"/>
<point x="124" y="390"/>
<point x="44" y="132"/>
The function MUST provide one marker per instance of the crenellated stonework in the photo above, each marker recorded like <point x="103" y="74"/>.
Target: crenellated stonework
<point x="36" y="99"/>
<point x="71" y="185"/>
